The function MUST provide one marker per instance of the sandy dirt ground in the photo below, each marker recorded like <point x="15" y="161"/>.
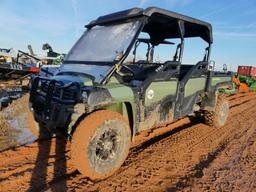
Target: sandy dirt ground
<point x="184" y="156"/>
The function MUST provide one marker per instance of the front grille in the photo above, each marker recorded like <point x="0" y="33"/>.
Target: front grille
<point x="59" y="91"/>
<point x="38" y="106"/>
<point x="65" y="94"/>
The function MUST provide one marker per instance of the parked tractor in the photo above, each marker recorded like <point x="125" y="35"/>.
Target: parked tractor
<point x="245" y="79"/>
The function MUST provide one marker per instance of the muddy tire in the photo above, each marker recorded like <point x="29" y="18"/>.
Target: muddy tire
<point x="218" y="117"/>
<point x="100" y="144"/>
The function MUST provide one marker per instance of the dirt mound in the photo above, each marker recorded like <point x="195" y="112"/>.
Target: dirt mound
<point x="186" y="156"/>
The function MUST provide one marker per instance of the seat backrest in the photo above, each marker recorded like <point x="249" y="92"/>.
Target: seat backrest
<point x="193" y="70"/>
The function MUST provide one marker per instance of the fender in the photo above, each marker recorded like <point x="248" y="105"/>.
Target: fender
<point x="81" y="111"/>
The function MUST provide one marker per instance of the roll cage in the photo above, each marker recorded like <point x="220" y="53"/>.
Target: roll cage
<point x="150" y="48"/>
<point x="160" y="24"/>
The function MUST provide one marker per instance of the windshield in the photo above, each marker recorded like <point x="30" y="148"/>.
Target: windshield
<point x="103" y="43"/>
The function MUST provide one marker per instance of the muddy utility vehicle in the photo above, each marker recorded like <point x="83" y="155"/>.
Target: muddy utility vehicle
<point x="104" y="98"/>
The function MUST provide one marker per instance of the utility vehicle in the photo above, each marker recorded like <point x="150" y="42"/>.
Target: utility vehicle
<point x="104" y="98"/>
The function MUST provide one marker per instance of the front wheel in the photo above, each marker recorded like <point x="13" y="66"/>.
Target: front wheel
<point x="100" y="144"/>
<point x="218" y="117"/>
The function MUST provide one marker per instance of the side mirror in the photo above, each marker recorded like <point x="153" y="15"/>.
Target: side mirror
<point x="211" y="65"/>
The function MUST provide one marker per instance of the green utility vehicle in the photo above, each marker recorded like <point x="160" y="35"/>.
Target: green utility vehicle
<point x="103" y="98"/>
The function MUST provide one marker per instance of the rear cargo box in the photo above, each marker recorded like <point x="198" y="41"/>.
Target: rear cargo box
<point x="247" y="70"/>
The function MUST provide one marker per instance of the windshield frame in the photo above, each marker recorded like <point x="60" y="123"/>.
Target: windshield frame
<point x="104" y="62"/>
<point x="142" y="20"/>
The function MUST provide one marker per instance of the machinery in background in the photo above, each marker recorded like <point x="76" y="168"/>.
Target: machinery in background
<point x="246" y="78"/>
<point x="249" y="71"/>
<point x="7" y="55"/>
<point x="51" y="58"/>
<point x="243" y="81"/>
<point x="16" y="70"/>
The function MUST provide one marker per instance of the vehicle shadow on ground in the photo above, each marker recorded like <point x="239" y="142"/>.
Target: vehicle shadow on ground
<point x="45" y="162"/>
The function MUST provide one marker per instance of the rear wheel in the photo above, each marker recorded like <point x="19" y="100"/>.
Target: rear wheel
<point x="218" y="117"/>
<point x="100" y="144"/>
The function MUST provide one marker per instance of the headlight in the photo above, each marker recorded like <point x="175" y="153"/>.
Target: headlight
<point x="84" y="96"/>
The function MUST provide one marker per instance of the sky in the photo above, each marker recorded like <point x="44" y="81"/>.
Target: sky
<point x="61" y="22"/>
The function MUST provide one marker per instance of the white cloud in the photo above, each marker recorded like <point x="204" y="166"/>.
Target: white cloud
<point x="227" y="26"/>
<point x="74" y="5"/>
<point x="77" y="23"/>
<point x="239" y="31"/>
<point x="185" y="2"/>
<point x="11" y="22"/>
<point x="234" y="34"/>
<point x="223" y="7"/>
<point x="174" y="3"/>
<point x="169" y="3"/>
<point x="52" y="26"/>
<point x="142" y="3"/>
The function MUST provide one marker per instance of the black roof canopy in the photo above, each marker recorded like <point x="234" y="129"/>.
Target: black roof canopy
<point x="161" y="24"/>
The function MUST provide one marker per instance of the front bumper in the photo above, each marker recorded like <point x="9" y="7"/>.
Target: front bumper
<point x="49" y="105"/>
<point x="57" y="115"/>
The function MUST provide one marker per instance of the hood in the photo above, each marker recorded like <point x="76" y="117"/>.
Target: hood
<point x="94" y="72"/>
<point x="81" y="79"/>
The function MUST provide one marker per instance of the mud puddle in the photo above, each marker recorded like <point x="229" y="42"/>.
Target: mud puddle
<point x="14" y="127"/>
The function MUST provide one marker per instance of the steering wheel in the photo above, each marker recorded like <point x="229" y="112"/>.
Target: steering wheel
<point x="130" y="73"/>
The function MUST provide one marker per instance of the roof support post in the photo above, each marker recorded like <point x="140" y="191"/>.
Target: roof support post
<point x="209" y="52"/>
<point x="182" y="34"/>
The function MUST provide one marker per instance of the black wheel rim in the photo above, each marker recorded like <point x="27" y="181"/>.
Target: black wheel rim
<point x="108" y="146"/>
